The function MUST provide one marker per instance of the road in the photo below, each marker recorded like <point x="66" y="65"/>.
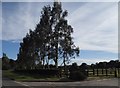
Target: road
<point x="7" y="83"/>
<point x="112" y="83"/>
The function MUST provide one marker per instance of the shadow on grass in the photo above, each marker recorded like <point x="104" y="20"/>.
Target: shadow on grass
<point x="26" y="77"/>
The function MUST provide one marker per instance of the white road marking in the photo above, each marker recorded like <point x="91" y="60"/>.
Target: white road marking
<point x="99" y="80"/>
<point x="23" y="84"/>
<point x="106" y="79"/>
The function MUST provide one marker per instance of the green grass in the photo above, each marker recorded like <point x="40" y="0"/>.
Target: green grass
<point x="98" y="77"/>
<point x="27" y="77"/>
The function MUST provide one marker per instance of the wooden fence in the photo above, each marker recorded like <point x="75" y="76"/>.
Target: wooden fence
<point x="103" y="72"/>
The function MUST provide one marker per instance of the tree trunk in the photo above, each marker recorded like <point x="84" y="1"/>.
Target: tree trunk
<point x="64" y="64"/>
<point x="56" y="58"/>
<point x="43" y="63"/>
<point x="106" y="72"/>
<point x="56" y="63"/>
<point x="102" y="71"/>
<point x="47" y="63"/>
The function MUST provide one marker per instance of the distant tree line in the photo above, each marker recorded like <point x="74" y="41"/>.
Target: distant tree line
<point x="110" y="64"/>
<point x="8" y="63"/>
<point x="74" y="71"/>
<point x="99" y="65"/>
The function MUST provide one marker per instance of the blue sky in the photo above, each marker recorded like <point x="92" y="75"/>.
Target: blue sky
<point x="95" y="27"/>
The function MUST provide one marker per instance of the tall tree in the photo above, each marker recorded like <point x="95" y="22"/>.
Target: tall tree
<point x="50" y="40"/>
<point x="62" y="35"/>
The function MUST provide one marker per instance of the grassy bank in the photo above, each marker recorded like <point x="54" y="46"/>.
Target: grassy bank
<point x="27" y="77"/>
<point x="30" y="77"/>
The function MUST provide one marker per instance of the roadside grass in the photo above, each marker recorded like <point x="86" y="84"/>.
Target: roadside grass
<point x="99" y="77"/>
<point x="30" y="77"/>
<point x="26" y="77"/>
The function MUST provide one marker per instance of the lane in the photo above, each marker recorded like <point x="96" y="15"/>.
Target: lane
<point x="7" y="83"/>
<point x="104" y="82"/>
<point x="112" y="83"/>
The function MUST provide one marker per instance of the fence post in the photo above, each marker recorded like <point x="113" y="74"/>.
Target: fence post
<point x="118" y="72"/>
<point x="115" y="73"/>
<point x="102" y="71"/>
<point x="97" y="71"/>
<point x="87" y="70"/>
<point x="93" y="71"/>
<point x="106" y="72"/>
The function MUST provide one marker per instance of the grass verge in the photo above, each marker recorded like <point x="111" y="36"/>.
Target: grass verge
<point x="31" y="78"/>
<point x="37" y="78"/>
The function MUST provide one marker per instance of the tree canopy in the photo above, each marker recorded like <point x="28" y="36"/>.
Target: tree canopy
<point x="51" y="40"/>
<point x="7" y="63"/>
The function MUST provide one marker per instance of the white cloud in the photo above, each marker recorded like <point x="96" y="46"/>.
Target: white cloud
<point x="60" y="0"/>
<point x="25" y="17"/>
<point x="96" y="26"/>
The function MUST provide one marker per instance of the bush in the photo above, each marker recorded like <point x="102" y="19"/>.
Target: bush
<point x="41" y="72"/>
<point x="77" y="76"/>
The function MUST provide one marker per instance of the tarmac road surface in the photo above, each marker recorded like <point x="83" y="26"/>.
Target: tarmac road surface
<point x="112" y="83"/>
<point x="7" y="83"/>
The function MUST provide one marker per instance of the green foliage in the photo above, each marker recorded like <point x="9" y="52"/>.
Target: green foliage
<point x="51" y="40"/>
<point x="39" y="72"/>
<point x="74" y="67"/>
<point x="75" y="73"/>
<point x="77" y="76"/>
<point x="26" y="76"/>
<point x="7" y="63"/>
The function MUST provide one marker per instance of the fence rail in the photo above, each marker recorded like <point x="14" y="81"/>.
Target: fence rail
<point x="103" y="72"/>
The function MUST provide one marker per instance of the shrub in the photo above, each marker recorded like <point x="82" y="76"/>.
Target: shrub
<point x="77" y="76"/>
<point x="42" y="72"/>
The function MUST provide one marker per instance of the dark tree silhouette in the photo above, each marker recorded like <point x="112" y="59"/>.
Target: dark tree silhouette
<point x="51" y="40"/>
<point x="73" y="67"/>
<point x="5" y="62"/>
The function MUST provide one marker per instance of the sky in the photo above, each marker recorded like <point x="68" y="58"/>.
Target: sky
<point x="95" y="26"/>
